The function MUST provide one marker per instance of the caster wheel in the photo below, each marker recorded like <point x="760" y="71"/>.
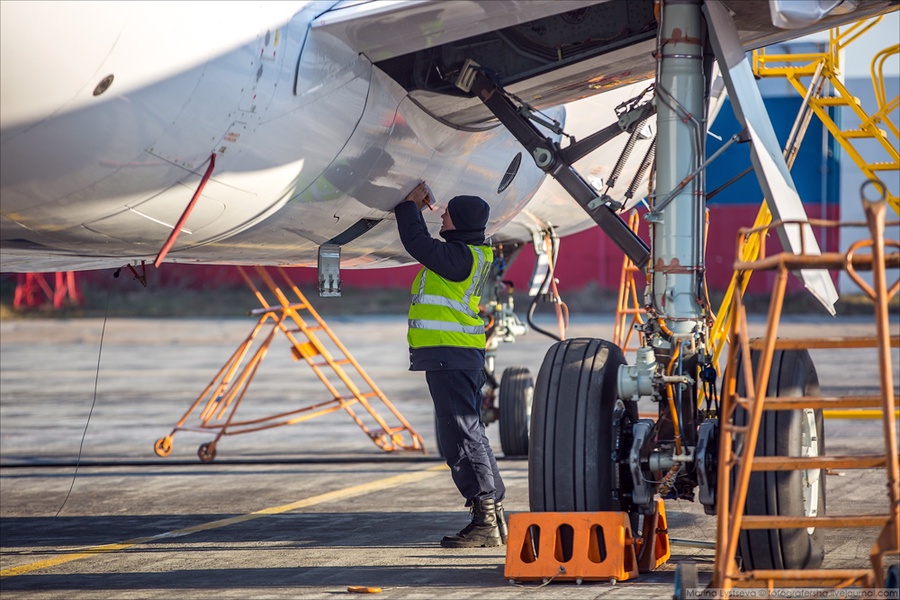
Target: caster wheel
<point x="163" y="446"/>
<point x="207" y="452"/>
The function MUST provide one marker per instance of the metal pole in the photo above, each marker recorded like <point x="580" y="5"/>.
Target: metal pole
<point x="678" y="261"/>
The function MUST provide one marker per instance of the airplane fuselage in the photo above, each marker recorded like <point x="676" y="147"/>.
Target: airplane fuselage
<point x="321" y="115"/>
<point x="106" y="138"/>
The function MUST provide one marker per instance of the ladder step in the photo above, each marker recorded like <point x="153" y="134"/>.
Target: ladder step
<point x="305" y="329"/>
<point x="835" y="101"/>
<point x="820" y="577"/>
<point x="883" y="166"/>
<point x="822" y="343"/>
<point x="333" y="362"/>
<point x="785" y="522"/>
<point x="794" y="463"/>
<point x="862" y="133"/>
<point x="801" y="402"/>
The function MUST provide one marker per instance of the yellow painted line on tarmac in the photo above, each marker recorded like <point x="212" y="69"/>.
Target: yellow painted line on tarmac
<point x="350" y="492"/>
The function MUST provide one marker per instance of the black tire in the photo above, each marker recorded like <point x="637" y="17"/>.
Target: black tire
<point x="570" y="465"/>
<point x="782" y="433"/>
<point x="516" y="397"/>
<point x="207" y="452"/>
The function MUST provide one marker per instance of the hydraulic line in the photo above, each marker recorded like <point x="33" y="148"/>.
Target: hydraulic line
<point x="562" y="311"/>
<point x="672" y="409"/>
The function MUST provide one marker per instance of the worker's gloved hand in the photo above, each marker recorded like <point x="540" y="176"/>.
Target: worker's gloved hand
<point x="421" y="195"/>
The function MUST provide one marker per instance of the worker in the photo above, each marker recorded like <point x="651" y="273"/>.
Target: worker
<point x="446" y="340"/>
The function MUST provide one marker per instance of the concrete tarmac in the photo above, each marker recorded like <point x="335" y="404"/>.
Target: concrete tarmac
<point x="301" y="511"/>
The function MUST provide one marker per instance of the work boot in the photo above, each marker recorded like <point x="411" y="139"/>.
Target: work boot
<point x="501" y="522"/>
<point x="481" y="532"/>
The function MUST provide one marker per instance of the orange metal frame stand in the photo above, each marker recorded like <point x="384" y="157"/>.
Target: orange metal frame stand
<point x="216" y="407"/>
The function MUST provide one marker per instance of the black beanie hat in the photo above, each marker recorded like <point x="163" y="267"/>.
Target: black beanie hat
<point x="468" y="213"/>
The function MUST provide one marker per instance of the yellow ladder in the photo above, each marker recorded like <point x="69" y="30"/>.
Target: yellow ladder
<point x="215" y="408"/>
<point x="794" y="67"/>
<point x="821" y="68"/>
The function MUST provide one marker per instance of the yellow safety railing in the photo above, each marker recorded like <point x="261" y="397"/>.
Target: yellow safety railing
<point x="821" y="67"/>
<point x="794" y="67"/>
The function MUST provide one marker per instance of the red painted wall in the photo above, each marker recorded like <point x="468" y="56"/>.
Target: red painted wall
<point x="584" y="259"/>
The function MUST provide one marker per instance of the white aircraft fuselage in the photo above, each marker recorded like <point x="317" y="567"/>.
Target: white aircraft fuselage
<point x="93" y="181"/>
<point x="111" y="111"/>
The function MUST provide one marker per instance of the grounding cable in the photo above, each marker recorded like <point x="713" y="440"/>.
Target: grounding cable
<point x="86" y="424"/>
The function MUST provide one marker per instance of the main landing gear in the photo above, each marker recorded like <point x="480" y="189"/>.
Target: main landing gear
<point x="589" y="451"/>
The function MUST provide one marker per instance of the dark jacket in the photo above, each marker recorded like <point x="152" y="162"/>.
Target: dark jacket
<point x="451" y="260"/>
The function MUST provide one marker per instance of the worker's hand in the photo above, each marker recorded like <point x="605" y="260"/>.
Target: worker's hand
<point x="421" y="196"/>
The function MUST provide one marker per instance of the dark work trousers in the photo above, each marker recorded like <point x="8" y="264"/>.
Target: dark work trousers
<point x="461" y="438"/>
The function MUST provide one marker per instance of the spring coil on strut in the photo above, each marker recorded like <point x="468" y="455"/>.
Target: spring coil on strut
<point x="642" y="170"/>
<point x="626" y="152"/>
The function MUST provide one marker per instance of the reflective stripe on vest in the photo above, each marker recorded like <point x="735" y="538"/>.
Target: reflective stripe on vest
<point x="444" y="312"/>
<point x="445" y="326"/>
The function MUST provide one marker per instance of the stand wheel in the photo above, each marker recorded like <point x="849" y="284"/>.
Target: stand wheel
<point x="163" y="446"/>
<point x="685" y="580"/>
<point x="207" y="452"/>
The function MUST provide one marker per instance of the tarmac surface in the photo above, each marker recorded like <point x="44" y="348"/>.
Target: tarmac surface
<point x="301" y="511"/>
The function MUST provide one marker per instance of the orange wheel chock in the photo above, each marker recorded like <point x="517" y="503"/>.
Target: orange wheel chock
<point x="571" y="546"/>
<point x="656" y="537"/>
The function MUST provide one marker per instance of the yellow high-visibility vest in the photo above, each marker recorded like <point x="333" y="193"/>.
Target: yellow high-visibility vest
<point x="444" y="312"/>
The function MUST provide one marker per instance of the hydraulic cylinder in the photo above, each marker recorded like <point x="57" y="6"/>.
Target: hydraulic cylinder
<point x="677" y="226"/>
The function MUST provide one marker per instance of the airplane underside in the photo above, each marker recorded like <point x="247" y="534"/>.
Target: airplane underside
<point x="315" y="154"/>
<point x="314" y="141"/>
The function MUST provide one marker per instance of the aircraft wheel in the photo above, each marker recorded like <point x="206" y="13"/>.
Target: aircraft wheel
<point x="163" y="446"/>
<point x="570" y="465"/>
<point x="796" y="493"/>
<point x="516" y="396"/>
<point x="207" y="452"/>
<point x="685" y="580"/>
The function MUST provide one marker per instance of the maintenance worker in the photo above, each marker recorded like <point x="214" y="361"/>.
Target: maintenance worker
<point x="446" y="340"/>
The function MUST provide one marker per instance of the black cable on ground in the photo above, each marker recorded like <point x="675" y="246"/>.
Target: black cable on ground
<point x="87" y="422"/>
